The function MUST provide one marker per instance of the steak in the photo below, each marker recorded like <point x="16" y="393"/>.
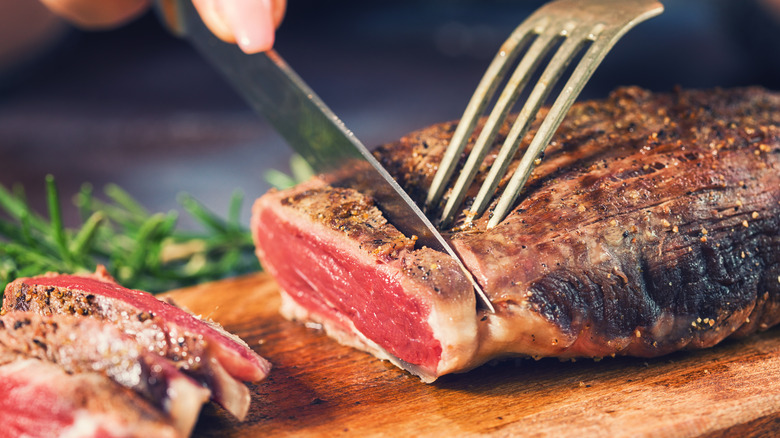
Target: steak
<point x="652" y="224"/>
<point x="84" y="345"/>
<point x="201" y="349"/>
<point x="40" y="400"/>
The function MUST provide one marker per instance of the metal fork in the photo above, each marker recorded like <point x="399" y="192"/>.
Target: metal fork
<point x="572" y="24"/>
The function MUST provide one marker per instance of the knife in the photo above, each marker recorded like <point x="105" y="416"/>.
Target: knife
<point x="276" y="92"/>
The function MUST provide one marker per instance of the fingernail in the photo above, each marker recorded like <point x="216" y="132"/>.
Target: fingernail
<point x="252" y="24"/>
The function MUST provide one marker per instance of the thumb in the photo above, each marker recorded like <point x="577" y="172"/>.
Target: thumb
<point x="249" y="23"/>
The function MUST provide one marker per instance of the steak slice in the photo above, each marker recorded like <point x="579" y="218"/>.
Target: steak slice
<point x="201" y="349"/>
<point x="80" y="345"/>
<point x="340" y="264"/>
<point x="39" y="399"/>
<point x="651" y="225"/>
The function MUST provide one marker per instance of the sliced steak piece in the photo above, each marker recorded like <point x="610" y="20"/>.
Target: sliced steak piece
<point x="340" y="264"/>
<point x="652" y="224"/>
<point x="200" y="348"/>
<point x="40" y="400"/>
<point x="81" y="345"/>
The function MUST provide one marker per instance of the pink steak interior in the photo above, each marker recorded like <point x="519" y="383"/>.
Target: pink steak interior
<point x="340" y="286"/>
<point x="32" y="409"/>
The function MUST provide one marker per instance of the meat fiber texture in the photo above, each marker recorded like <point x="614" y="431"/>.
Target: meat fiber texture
<point x="652" y="224"/>
<point x="85" y="345"/>
<point x="41" y="400"/>
<point x="170" y="359"/>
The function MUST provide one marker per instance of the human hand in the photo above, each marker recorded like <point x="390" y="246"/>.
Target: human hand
<point x="249" y="23"/>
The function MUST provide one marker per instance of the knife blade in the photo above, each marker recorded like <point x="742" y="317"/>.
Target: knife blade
<point x="277" y="93"/>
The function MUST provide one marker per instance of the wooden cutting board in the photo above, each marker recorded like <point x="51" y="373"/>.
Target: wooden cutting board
<point x="320" y="388"/>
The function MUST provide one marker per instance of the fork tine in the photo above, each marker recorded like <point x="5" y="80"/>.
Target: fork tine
<point x="529" y="63"/>
<point x="484" y="92"/>
<point x="560" y="107"/>
<point x="603" y="22"/>
<point x="547" y="81"/>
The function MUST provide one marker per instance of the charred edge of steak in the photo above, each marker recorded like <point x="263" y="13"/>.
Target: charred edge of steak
<point x="702" y="292"/>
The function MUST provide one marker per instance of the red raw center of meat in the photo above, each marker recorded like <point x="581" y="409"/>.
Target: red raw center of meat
<point x="338" y="285"/>
<point x="32" y="409"/>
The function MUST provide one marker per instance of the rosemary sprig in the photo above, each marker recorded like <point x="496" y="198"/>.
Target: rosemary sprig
<point x="141" y="250"/>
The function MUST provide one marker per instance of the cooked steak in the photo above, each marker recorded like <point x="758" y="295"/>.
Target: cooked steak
<point x="39" y="399"/>
<point x="201" y="349"/>
<point x="83" y="345"/>
<point x="651" y="225"/>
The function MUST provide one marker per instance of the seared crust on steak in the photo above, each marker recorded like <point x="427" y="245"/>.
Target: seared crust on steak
<point x="353" y="214"/>
<point x="652" y="224"/>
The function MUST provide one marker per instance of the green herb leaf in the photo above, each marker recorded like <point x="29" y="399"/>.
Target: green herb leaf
<point x="142" y="250"/>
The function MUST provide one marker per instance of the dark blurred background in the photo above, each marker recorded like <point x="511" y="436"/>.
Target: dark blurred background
<point x="139" y="108"/>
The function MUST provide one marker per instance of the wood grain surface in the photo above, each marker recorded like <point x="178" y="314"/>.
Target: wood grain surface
<point x="320" y="388"/>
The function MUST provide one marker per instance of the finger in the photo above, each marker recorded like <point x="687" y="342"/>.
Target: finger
<point x="97" y="15"/>
<point x="278" y="8"/>
<point x="213" y="15"/>
<point x="252" y="24"/>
